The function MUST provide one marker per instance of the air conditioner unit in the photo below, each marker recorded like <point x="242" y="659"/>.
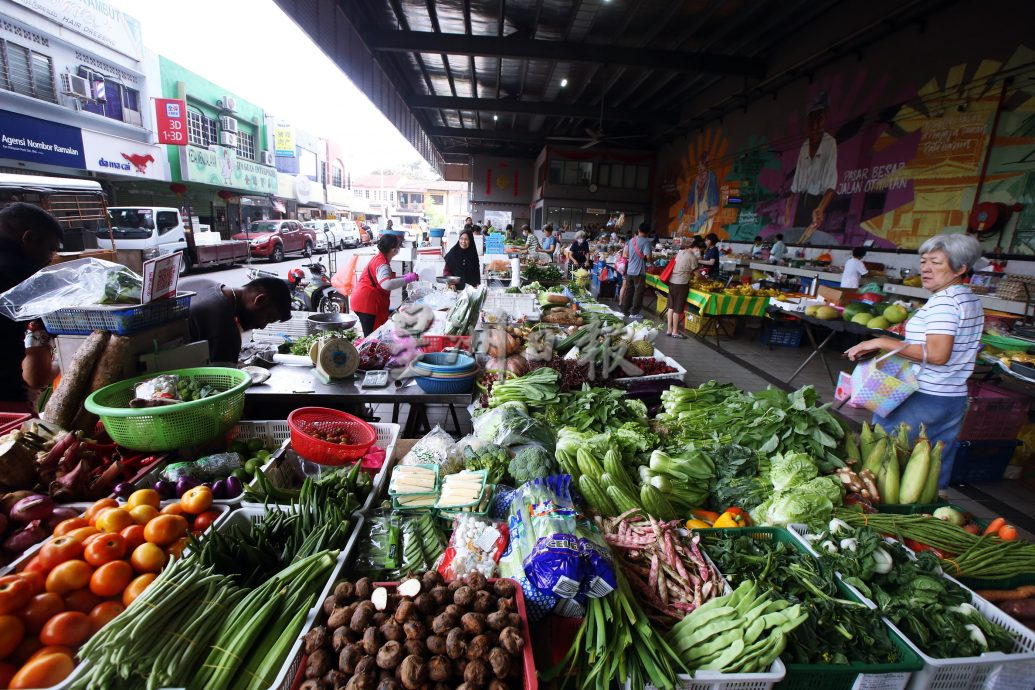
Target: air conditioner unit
<point x="74" y="85"/>
<point x="267" y="158"/>
<point x="132" y="117"/>
<point x="228" y="139"/>
<point x="227" y="103"/>
<point x="228" y="124"/>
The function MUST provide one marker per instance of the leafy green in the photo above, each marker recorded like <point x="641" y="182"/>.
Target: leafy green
<point x="742" y="479"/>
<point x="790" y="469"/>
<point x="305" y="343"/>
<point x="810" y="503"/>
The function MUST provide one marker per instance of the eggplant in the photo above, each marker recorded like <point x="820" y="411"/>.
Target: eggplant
<point x="185" y="484"/>
<point x="124" y="489"/>
<point x="234" y="487"/>
<point x="35" y="507"/>
<point x="30" y="535"/>
<point x="219" y="488"/>
<point x="8" y="500"/>
<point x="60" y="514"/>
<point x="166" y="490"/>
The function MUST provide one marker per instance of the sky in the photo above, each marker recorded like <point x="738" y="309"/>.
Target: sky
<point x="255" y="51"/>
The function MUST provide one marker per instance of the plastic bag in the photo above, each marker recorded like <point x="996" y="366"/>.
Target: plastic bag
<point x="209" y="467"/>
<point x="433" y="448"/>
<point x="552" y="557"/>
<point x="475" y="546"/>
<point x="79" y="282"/>
<point x="380" y="550"/>
<point x="486" y="424"/>
<point x="455" y="461"/>
<point x="160" y="387"/>
<point x="519" y="431"/>
<point x="345" y="279"/>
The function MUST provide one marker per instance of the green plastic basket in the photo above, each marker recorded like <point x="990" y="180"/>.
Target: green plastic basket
<point x="1002" y="342"/>
<point x="825" y="676"/>
<point x="172" y="427"/>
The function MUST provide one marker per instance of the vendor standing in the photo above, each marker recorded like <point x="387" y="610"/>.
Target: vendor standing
<point x="372" y="295"/>
<point x="548" y="245"/>
<point x="29" y="238"/>
<point x="854" y="269"/>
<point x="462" y="261"/>
<point x="943" y="337"/>
<point x="710" y="260"/>
<point x="219" y="313"/>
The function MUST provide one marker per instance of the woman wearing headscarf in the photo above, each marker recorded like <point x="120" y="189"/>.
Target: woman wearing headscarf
<point x="462" y="261"/>
<point x="578" y="253"/>
<point x="371" y="297"/>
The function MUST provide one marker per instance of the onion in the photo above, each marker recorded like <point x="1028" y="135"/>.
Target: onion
<point x="515" y="364"/>
<point x="10" y="499"/>
<point x="60" y="513"/>
<point x="124" y="489"/>
<point x="35" y="507"/>
<point x="27" y="536"/>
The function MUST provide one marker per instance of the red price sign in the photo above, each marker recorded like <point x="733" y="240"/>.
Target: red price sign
<point x="161" y="276"/>
<point x="171" y="120"/>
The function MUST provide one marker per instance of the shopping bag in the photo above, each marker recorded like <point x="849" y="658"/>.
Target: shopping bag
<point x="344" y="280"/>
<point x="604" y="277"/>
<point x="843" y="390"/>
<point x="882" y="384"/>
<point x="621" y="264"/>
<point x="666" y="272"/>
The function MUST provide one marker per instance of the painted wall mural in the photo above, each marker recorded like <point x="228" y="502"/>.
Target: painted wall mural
<point x="848" y="168"/>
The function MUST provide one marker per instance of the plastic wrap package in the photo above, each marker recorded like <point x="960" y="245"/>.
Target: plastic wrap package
<point x="374" y="354"/>
<point x="455" y="462"/>
<point x="159" y="388"/>
<point x="475" y="546"/>
<point x="209" y="467"/>
<point x="380" y="550"/>
<point x="80" y="282"/>
<point x="510" y="425"/>
<point x="433" y="448"/>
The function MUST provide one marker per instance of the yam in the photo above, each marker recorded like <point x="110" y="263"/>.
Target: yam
<point x="64" y="404"/>
<point x="111" y="368"/>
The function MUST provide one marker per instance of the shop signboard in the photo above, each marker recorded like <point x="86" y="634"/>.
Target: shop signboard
<point x="171" y="121"/>
<point x="284" y="140"/>
<point x="94" y="19"/>
<point x="30" y="139"/>
<point x="119" y="156"/>
<point x="494" y="243"/>
<point x="220" y="166"/>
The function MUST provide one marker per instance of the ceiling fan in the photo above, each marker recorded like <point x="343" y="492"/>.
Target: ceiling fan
<point x="598" y="135"/>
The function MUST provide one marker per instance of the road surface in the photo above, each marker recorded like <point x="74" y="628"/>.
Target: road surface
<point x="238" y="275"/>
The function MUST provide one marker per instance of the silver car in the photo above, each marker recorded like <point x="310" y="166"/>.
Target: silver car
<point x="329" y="234"/>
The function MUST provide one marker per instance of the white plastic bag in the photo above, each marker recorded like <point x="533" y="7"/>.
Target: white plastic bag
<point x="79" y="282"/>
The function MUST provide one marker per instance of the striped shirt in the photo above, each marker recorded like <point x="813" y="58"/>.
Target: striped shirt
<point x="954" y="311"/>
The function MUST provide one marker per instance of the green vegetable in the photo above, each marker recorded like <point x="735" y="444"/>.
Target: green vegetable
<point x="305" y="343"/>
<point x="788" y="470"/>
<point x="810" y="503"/>
<point x="531" y="462"/>
<point x="539" y="387"/>
<point x="122" y="286"/>
<point x="915" y="476"/>
<point x="492" y="458"/>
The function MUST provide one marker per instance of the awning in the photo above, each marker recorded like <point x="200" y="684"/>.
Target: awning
<point x="279" y="206"/>
<point x="260" y="201"/>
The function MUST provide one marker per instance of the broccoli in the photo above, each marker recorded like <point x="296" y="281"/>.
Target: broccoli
<point x="491" y="457"/>
<point x="531" y="462"/>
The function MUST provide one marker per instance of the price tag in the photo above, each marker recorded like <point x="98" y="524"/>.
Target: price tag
<point x="486" y="541"/>
<point x="161" y="276"/>
<point x="882" y="681"/>
<point x="1010" y="677"/>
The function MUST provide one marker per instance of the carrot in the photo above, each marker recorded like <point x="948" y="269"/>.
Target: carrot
<point x="1007" y="532"/>
<point x="994" y="526"/>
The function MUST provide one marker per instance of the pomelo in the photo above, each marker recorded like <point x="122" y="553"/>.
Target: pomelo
<point x="895" y="314"/>
<point x="879" y="323"/>
<point x="827" y="313"/>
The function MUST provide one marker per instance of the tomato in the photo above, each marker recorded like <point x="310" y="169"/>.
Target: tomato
<point x="94" y="510"/>
<point x="177" y="547"/>
<point x="1007" y="532"/>
<point x="915" y="545"/>
<point x="83" y="533"/>
<point x="137" y="587"/>
<point x="165" y="529"/>
<point x="172" y="509"/>
<point x="104" y="612"/>
<point x="43" y="672"/>
<point x="7" y="672"/>
<point x="134" y="536"/>
<point x="59" y="550"/>
<point x="34" y="566"/>
<point x="15" y="592"/>
<point x="81" y="600"/>
<point x="66" y="526"/>
<point x="111" y="578"/>
<point x="143" y="497"/>
<point x="148" y="558"/>
<point x="204" y="520"/>
<point x="53" y="649"/>
<point x="12" y="630"/>
<point x="40" y="609"/>
<point x="196" y="500"/>
<point x="972" y="528"/>
<point x="69" y="576"/>
<point x="144" y="514"/>
<point x="29" y="646"/>
<point x="68" y="628"/>
<point x="36" y="579"/>
<point x="113" y="520"/>
<point x="105" y="549"/>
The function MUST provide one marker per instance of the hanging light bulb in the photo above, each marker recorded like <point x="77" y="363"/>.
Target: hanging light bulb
<point x="564" y="82"/>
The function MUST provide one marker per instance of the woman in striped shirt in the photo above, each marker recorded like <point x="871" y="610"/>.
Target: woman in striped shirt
<point x="943" y="337"/>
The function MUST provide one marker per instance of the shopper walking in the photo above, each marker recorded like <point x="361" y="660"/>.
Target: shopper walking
<point x="679" y="289"/>
<point x="638" y="251"/>
<point x="372" y="296"/>
<point x="943" y="337"/>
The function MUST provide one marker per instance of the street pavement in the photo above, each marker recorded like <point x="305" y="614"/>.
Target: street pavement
<point x="238" y="275"/>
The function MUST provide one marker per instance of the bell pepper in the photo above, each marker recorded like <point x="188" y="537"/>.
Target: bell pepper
<point x="733" y="517"/>
<point x="706" y="515"/>
<point x="697" y="524"/>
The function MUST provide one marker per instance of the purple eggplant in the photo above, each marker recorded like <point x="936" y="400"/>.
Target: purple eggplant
<point x="35" y="507"/>
<point x="234" y="487"/>
<point x="60" y="513"/>
<point x="30" y="535"/>
<point x="185" y="484"/>
<point x="124" y="489"/>
<point x="219" y="488"/>
<point x="166" y="490"/>
<point x="3" y="524"/>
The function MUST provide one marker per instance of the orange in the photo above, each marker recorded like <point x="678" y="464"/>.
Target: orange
<point x="114" y="520"/>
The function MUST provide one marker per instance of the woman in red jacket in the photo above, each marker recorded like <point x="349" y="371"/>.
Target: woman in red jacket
<point x="371" y="296"/>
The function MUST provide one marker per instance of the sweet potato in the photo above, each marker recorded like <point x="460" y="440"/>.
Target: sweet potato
<point x="64" y="404"/>
<point x="1023" y="608"/>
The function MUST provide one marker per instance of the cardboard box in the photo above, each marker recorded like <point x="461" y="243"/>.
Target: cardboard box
<point x="839" y="296"/>
<point x="170" y="334"/>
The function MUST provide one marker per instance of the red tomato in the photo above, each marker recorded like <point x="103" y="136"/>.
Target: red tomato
<point x="69" y="576"/>
<point x="111" y="578"/>
<point x="41" y="608"/>
<point x="43" y="672"/>
<point x="105" y="550"/>
<point x="53" y="649"/>
<point x="7" y="672"/>
<point x="134" y="536"/>
<point x="70" y="525"/>
<point x="27" y="648"/>
<point x="12" y="630"/>
<point x="137" y="587"/>
<point x="69" y="628"/>
<point x="34" y="566"/>
<point x="81" y="600"/>
<point x="103" y="613"/>
<point x="204" y="520"/>
<point x="35" y="579"/>
<point x="59" y="550"/>
<point x="15" y="592"/>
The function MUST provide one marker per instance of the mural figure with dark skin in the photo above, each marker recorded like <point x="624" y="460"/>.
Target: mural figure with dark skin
<point x="815" y="179"/>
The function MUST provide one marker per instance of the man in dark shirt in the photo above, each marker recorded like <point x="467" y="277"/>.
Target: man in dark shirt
<point x="29" y="237"/>
<point x="219" y="313"/>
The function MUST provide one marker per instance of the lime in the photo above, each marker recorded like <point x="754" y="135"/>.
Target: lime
<point x="256" y="444"/>
<point x="252" y="466"/>
<point x="239" y="447"/>
<point x="263" y="455"/>
<point x="241" y="474"/>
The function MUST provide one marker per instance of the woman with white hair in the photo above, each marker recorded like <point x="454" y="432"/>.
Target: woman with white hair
<point x="578" y="253"/>
<point x="943" y="338"/>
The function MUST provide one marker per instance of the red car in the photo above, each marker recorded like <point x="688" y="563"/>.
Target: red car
<point x="273" y="239"/>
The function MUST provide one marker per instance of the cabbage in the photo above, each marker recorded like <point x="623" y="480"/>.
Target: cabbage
<point x="810" y="503"/>
<point x="791" y="469"/>
<point x="486" y="426"/>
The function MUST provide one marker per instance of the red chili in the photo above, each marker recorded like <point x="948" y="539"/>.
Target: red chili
<point x="917" y="546"/>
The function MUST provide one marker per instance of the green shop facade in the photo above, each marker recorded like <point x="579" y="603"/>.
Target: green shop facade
<point x="223" y="177"/>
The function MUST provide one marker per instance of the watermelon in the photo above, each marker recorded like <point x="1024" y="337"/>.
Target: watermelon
<point x="853" y="308"/>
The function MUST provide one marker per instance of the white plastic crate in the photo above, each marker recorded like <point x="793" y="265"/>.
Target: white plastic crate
<point x="711" y="680"/>
<point x="678" y="375"/>
<point x="514" y="304"/>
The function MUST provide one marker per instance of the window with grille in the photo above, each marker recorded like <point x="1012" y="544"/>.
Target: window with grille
<point x="337" y="175"/>
<point x="27" y="72"/>
<point x="204" y="131"/>
<point x="245" y="145"/>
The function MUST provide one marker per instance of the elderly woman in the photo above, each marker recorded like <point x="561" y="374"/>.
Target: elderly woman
<point x="578" y="252"/>
<point x="943" y="337"/>
<point x="679" y="287"/>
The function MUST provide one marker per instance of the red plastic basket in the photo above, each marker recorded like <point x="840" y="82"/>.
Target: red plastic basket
<point x="438" y="343"/>
<point x="306" y="420"/>
<point x="994" y="414"/>
<point x="12" y="420"/>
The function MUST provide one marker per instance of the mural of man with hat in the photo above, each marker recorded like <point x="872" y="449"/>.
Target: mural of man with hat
<point x="815" y="175"/>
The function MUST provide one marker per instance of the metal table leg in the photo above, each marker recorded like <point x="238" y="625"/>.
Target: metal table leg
<point x="816" y="350"/>
<point x="456" y="420"/>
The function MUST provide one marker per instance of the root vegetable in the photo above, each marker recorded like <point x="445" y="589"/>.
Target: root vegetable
<point x="425" y="603"/>
<point x="379" y="598"/>
<point x="497" y="684"/>
<point x="415" y="630"/>
<point x="67" y="399"/>
<point x="391" y="630"/>
<point x="511" y="641"/>
<point x="441" y="596"/>
<point x="479" y="647"/>
<point x="360" y="683"/>
<point x="464" y="596"/>
<point x="410" y="588"/>
<point x="362" y="616"/>
<point x="335" y="679"/>
<point x="505" y="604"/>
<point x="456" y="647"/>
<point x="372" y="640"/>
<point x="313" y="684"/>
<point x="407" y="611"/>
<point x="477" y="581"/>
<point x="483" y="601"/>
<point x="389" y="684"/>
<point x="473" y="623"/>
<point x="455" y="611"/>
<point x="412" y="672"/>
<point x="390" y="655"/>
<point x="349" y="657"/>
<point x="443" y="623"/>
<point x="504" y="587"/>
<point x="318" y="664"/>
<point x="431" y="579"/>
<point x="1021" y="608"/>
<point x="315" y="639"/>
<point x="367" y="667"/>
<point x="477" y="673"/>
<point x="363" y="588"/>
<point x="415" y="647"/>
<point x="455" y="585"/>
<point x="436" y="644"/>
<point x="439" y="668"/>
<point x="500" y="662"/>
<point x="345" y="592"/>
<point x="328" y="605"/>
<point x="498" y="620"/>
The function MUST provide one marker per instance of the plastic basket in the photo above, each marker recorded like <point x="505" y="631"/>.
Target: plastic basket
<point x="117" y="319"/>
<point x="435" y="467"/>
<point x="306" y="420"/>
<point x="438" y="343"/>
<point x="444" y="363"/>
<point x="979" y="462"/>
<point x="172" y="427"/>
<point x="446" y="386"/>
<point x="993" y="413"/>
<point x="12" y="420"/>
<point x="782" y="333"/>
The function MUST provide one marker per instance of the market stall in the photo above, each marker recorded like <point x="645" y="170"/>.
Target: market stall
<point x="714" y="305"/>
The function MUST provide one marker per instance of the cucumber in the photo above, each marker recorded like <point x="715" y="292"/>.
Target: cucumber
<point x="595" y="496"/>
<point x="622" y="500"/>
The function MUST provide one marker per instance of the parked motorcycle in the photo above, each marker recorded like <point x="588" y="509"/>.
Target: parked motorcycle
<point x="313" y="294"/>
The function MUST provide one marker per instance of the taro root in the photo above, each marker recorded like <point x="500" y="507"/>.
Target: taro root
<point x="407" y="610"/>
<point x="473" y="623"/>
<point x="313" y="684"/>
<point x="416" y="648"/>
<point x="372" y="640"/>
<point x="441" y="686"/>
<point x="454" y="610"/>
<point x="335" y="679"/>
<point x="515" y="620"/>
<point x="339" y="618"/>
<point x="425" y="603"/>
<point x="456" y="647"/>
<point x="459" y="665"/>
<point x="362" y="617"/>
<point x="358" y="682"/>
<point x="436" y="644"/>
<point x="344" y="592"/>
<point x="441" y="596"/>
<point x="340" y="639"/>
<point x="391" y="630"/>
<point x="498" y="620"/>
<point x="315" y="639"/>
<point x="415" y="630"/>
<point x="367" y="667"/>
<point x="349" y="657"/>
<point x="443" y="623"/>
<point x="476" y="581"/>
<point x="379" y="617"/>
<point x="505" y="604"/>
<point x="379" y="598"/>
<point x="431" y="579"/>
<point x="412" y="672"/>
<point x="363" y="588"/>
<point x="439" y="668"/>
<point x="389" y="684"/>
<point x="500" y="662"/>
<point x="390" y="655"/>
<point x="504" y="587"/>
<point x="409" y="588"/>
<point x="455" y="585"/>
<point x="483" y="601"/>
<point x="319" y="663"/>
<point x="511" y="641"/>
<point x="328" y="605"/>
<point x="477" y="673"/>
<point x="497" y="684"/>
<point x="479" y="647"/>
<point x="463" y="597"/>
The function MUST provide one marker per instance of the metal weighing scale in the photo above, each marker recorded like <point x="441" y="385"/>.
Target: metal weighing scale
<point x="335" y="359"/>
